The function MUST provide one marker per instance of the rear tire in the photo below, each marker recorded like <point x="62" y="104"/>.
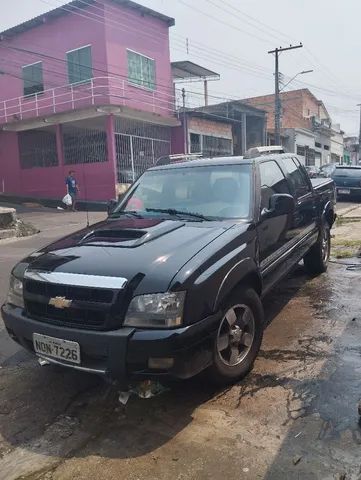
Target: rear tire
<point x="239" y="337"/>
<point x="316" y="260"/>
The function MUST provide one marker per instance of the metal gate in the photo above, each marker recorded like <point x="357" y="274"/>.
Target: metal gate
<point x="138" y="146"/>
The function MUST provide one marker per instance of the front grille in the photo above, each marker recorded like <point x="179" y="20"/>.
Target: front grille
<point x="91" y="308"/>
<point x="84" y="294"/>
<point x="69" y="316"/>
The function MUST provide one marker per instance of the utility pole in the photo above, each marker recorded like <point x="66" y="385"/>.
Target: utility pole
<point x="185" y="127"/>
<point x="359" y="138"/>
<point x="206" y="93"/>
<point x="278" y="105"/>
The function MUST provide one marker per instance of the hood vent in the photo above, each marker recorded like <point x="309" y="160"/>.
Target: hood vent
<point x="128" y="237"/>
<point x="113" y="235"/>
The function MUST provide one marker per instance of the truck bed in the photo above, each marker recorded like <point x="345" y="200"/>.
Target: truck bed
<point x="322" y="184"/>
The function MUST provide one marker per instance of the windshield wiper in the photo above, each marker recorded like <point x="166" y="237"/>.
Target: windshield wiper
<point x="178" y="213"/>
<point x="128" y="213"/>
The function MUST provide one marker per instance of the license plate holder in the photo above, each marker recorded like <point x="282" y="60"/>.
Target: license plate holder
<point x="57" y="348"/>
<point x="344" y="191"/>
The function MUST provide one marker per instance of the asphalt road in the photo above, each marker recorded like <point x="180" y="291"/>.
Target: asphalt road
<point x="294" y="417"/>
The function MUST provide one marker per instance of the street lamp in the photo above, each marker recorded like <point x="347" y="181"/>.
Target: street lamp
<point x="299" y="73"/>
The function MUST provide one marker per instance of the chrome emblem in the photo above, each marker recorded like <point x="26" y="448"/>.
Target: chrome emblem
<point x="60" y="302"/>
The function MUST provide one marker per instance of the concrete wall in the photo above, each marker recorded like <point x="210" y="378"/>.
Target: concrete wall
<point x="299" y="137"/>
<point x="325" y="140"/>
<point x="337" y="146"/>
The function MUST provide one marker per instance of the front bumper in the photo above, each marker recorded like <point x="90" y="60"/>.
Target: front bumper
<point x="123" y="354"/>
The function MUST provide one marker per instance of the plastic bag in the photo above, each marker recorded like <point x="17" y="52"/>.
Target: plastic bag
<point x="67" y="200"/>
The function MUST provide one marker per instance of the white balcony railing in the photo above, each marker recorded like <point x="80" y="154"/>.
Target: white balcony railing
<point x="97" y="91"/>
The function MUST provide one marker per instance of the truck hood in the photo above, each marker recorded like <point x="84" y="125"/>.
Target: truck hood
<point x="149" y="252"/>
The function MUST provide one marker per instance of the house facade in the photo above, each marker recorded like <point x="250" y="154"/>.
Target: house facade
<point x="228" y="128"/>
<point x="86" y="87"/>
<point x="306" y="126"/>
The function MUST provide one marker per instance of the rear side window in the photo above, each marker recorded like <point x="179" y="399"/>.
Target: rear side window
<point x="296" y="177"/>
<point x="272" y="182"/>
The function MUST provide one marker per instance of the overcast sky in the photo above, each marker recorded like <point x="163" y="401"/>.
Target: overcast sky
<point x="232" y="37"/>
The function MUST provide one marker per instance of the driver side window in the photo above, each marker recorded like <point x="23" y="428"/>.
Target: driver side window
<point x="272" y="182"/>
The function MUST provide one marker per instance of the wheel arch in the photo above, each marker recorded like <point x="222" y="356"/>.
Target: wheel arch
<point x="328" y="213"/>
<point x="244" y="273"/>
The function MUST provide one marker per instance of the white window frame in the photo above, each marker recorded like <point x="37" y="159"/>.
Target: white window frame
<point x="78" y="48"/>
<point x="136" y="85"/>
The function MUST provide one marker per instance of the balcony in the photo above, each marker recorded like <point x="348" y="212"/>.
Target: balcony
<point x="98" y="91"/>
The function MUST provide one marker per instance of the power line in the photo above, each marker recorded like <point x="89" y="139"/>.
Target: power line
<point x="251" y="23"/>
<point x="318" y="64"/>
<point x="83" y="1"/>
<point x="62" y="60"/>
<point x="223" y="98"/>
<point x="210" y="56"/>
<point x="197" y="45"/>
<point x="118" y="24"/>
<point x="223" y="22"/>
<point x="94" y="18"/>
<point x="250" y="69"/>
<point x="213" y="58"/>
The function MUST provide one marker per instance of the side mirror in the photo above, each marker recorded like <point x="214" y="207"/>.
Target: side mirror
<point x="281" y="204"/>
<point x="111" y="206"/>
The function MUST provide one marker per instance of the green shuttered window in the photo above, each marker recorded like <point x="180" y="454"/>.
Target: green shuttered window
<point x="80" y="68"/>
<point x="141" y="70"/>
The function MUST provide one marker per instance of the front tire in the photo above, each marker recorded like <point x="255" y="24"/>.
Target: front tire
<point x="316" y="260"/>
<point x="239" y="337"/>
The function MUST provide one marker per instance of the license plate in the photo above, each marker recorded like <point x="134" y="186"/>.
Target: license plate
<point x="56" y="348"/>
<point x="344" y="191"/>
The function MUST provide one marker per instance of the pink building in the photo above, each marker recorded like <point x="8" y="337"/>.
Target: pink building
<point x="86" y="87"/>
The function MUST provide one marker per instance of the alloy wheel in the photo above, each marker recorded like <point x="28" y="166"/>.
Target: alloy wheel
<point x="235" y="335"/>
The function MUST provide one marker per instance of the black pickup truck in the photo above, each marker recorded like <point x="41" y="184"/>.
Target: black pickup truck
<point x="170" y="284"/>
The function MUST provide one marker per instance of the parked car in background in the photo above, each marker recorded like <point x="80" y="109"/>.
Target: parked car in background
<point x="327" y="170"/>
<point x="347" y="180"/>
<point x="313" y="171"/>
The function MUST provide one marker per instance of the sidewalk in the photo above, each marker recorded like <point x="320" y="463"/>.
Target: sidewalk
<point x="349" y="210"/>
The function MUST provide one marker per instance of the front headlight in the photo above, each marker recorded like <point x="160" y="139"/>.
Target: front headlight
<point x="15" y="295"/>
<point x="160" y="310"/>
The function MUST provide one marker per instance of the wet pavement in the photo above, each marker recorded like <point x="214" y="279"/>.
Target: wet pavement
<point x="294" y="416"/>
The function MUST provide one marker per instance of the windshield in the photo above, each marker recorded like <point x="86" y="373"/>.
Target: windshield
<point x="214" y="192"/>
<point x="347" y="172"/>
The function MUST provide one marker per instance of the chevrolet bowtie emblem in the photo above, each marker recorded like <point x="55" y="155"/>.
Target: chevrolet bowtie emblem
<point x="60" y="302"/>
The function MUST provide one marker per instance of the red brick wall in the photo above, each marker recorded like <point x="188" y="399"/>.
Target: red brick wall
<point x="297" y="105"/>
<point x="210" y="127"/>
